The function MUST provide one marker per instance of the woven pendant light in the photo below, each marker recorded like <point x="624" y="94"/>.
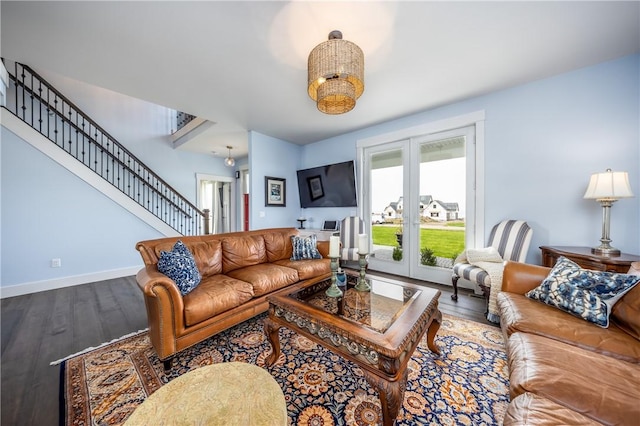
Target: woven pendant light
<point x="336" y="74"/>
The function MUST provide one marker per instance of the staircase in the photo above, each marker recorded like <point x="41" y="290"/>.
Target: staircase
<point x="38" y="104"/>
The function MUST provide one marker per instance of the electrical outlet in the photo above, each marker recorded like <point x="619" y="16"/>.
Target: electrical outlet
<point x="56" y="263"/>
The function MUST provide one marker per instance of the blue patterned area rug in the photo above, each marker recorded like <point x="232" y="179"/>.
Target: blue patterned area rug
<point x="466" y="385"/>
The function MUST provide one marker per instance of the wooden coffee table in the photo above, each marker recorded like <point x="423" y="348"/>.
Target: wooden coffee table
<point x="378" y="330"/>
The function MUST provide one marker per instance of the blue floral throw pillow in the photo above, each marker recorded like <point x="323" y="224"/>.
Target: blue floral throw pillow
<point x="587" y="294"/>
<point x="180" y="266"/>
<point x="305" y="248"/>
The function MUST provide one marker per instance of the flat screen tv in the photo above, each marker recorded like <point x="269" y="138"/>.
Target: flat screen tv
<point x="333" y="185"/>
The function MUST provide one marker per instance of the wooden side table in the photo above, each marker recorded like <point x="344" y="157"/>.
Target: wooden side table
<point x="583" y="257"/>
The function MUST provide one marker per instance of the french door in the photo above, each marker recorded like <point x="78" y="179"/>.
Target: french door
<point x="420" y="201"/>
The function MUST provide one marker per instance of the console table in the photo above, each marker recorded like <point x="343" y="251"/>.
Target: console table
<point x="320" y="235"/>
<point x="583" y="257"/>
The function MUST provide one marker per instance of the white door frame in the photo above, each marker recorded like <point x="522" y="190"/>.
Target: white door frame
<point x="475" y="200"/>
<point x="400" y="267"/>
<point x="232" y="196"/>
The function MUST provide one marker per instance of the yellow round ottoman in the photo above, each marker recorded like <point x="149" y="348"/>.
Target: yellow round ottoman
<point x="229" y="393"/>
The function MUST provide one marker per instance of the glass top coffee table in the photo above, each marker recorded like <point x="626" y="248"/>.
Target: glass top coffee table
<point x="377" y="329"/>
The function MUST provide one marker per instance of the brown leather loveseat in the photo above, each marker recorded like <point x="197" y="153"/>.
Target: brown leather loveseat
<point x="564" y="370"/>
<point x="239" y="270"/>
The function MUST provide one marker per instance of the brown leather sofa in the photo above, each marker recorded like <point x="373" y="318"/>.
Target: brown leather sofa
<point x="564" y="370"/>
<point x="239" y="270"/>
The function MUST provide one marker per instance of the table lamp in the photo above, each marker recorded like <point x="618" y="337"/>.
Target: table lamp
<point x="607" y="188"/>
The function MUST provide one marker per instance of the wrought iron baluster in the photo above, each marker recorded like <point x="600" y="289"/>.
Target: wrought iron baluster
<point x="95" y="149"/>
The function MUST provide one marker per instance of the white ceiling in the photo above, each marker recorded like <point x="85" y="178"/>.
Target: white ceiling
<point x="243" y="64"/>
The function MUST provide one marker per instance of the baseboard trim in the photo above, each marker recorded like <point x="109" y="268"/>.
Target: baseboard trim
<point x="45" y="285"/>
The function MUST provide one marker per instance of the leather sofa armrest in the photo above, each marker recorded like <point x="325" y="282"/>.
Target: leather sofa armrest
<point x="149" y="276"/>
<point x="521" y="277"/>
<point x="165" y="309"/>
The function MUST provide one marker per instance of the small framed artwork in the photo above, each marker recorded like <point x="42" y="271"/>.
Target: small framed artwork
<point x="275" y="192"/>
<point x="315" y="187"/>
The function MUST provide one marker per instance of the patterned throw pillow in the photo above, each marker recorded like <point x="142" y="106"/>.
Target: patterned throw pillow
<point x="305" y="248"/>
<point x="180" y="266"/>
<point x="587" y="294"/>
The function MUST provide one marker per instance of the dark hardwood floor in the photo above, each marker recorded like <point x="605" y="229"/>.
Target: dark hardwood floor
<point x="43" y="327"/>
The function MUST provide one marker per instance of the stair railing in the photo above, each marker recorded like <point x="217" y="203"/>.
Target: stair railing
<point x="41" y="106"/>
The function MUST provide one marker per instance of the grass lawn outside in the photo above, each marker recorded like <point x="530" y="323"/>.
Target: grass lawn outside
<point x="444" y="242"/>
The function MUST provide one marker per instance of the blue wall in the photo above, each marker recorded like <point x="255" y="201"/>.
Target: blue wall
<point x="275" y="158"/>
<point x="542" y="142"/>
<point x="48" y="212"/>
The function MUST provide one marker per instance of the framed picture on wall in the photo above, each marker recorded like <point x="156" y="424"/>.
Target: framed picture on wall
<point x="275" y="192"/>
<point x="315" y="187"/>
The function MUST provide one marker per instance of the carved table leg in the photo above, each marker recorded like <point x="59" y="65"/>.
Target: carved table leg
<point x="431" y="333"/>
<point x="391" y="395"/>
<point x="454" y="281"/>
<point x="486" y="292"/>
<point x="272" y="330"/>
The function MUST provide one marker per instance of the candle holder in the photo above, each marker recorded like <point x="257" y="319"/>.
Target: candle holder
<point x="362" y="284"/>
<point x="301" y="221"/>
<point x="333" y="290"/>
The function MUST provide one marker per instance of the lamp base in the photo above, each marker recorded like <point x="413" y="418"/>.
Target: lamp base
<point x="605" y="251"/>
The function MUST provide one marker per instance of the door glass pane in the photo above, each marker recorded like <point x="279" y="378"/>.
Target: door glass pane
<point x="442" y="200"/>
<point x="215" y="196"/>
<point x="386" y="189"/>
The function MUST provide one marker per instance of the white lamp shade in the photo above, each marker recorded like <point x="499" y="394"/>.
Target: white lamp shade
<point x="608" y="186"/>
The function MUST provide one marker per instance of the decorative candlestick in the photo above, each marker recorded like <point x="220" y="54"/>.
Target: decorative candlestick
<point x="362" y="284"/>
<point x="334" y="246"/>
<point x="333" y="290"/>
<point x="302" y="220"/>
<point x="363" y="244"/>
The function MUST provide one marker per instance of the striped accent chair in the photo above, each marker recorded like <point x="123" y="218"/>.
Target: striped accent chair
<point x="511" y="238"/>
<point x="350" y="227"/>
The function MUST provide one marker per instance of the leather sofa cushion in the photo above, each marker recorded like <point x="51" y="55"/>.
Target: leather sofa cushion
<point x="599" y="387"/>
<point x="531" y="409"/>
<point x="278" y="244"/>
<point x="307" y="268"/>
<point x="626" y="313"/>
<point x="239" y="252"/>
<point x="266" y="277"/>
<point x="207" y="254"/>
<point x="213" y="296"/>
<point x="519" y="313"/>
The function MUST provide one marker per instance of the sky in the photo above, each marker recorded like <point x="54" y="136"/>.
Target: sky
<point x="444" y="180"/>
